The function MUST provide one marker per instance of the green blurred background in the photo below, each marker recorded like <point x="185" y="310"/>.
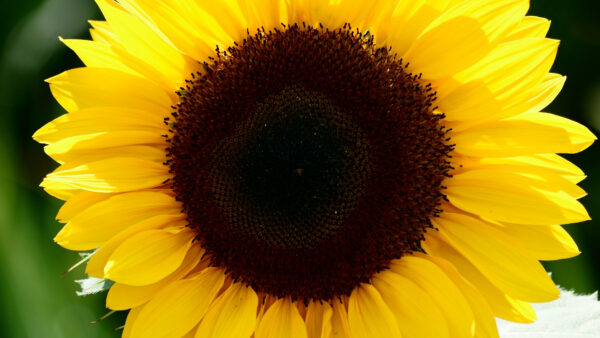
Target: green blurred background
<point x="35" y="301"/>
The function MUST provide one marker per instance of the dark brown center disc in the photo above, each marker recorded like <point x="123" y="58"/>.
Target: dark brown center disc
<point x="307" y="159"/>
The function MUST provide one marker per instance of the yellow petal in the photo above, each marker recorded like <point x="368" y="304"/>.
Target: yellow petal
<point x="81" y="88"/>
<point x="539" y="163"/>
<point x="191" y="333"/>
<point x="116" y="174"/>
<point x="267" y="301"/>
<point x="149" y="256"/>
<point x="514" y="198"/>
<point x="233" y="314"/>
<point x="95" y="225"/>
<point x="494" y="254"/>
<point x="186" y="24"/>
<point x="213" y="16"/>
<point x="78" y="203"/>
<point x="475" y="102"/>
<point x="539" y="176"/>
<point x="155" y="57"/>
<point x="92" y="148"/>
<point x="122" y="296"/>
<point x="416" y="313"/>
<point x="318" y="320"/>
<point x="379" y="18"/>
<point x="560" y="183"/>
<point x="131" y="318"/>
<point x="485" y="324"/>
<point x="497" y="17"/>
<point x="469" y="102"/>
<point x="61" y="193"/>
<point x="177" y="308"/>
<point x="151" y="153"/>
<point x="98" y="120"/>
<point x="560" y="165"/>
<point x="75" y="147"/>
<point x="502" y="304"/>
<point x="409" y="20"/>
<point x="542" y="242"/>
<point x="463" y="35"/>
<point x="101" y="33"/>
<point x="282" y="319"/>
<point x="530" y="133"/>
<point x="533" y="99"/>
<point x="460" y="40"/>
<point x="449" y="299"/>
<point x="334" y="14"/>
<point x="529" y="27"/>
<point x="97" y="55"/>
<point x="513" y="67"/>
<point x="264" y="13"/>
<point x="340" y="326"/>
<point x="95" y="266"/>
<point x="369" y="316"/>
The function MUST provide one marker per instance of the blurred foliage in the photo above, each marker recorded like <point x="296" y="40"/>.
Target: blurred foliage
<point x="37" y="302"/>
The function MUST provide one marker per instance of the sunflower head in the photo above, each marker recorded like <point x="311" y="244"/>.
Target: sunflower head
<point x="287" y="168"/>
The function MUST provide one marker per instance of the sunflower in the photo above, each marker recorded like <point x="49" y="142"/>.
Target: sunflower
<point x="298" y="168"/>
